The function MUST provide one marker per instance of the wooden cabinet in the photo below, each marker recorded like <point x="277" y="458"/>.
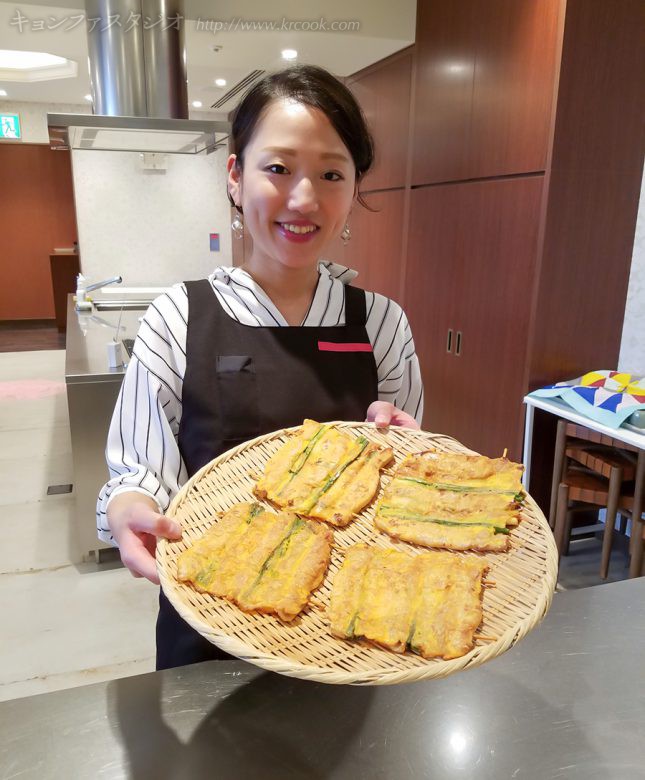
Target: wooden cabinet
<point x="513" y="86"/>
<point x="435" y="264"/>
<point x="524" y="169"/>
<point x="484" y="87"/>
<point x="380" y="270"/>
<point x="381" y="93"/>
<point x="445" y="65"/>
<point x="471" y="254"/>
<point x="64" y="270"/>
<point x="375" y="249"/>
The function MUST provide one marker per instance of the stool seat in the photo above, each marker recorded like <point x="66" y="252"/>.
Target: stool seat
<point x="593" y="489"/>
<point x="600" y="461"/>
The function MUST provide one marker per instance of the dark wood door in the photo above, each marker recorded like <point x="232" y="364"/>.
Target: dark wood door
<point x="493" y="312"/>
<point x="471" y="269"/>
<point x="435" y="267"/>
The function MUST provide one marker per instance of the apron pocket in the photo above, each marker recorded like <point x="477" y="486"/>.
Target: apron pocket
<point x="237" y="392"/>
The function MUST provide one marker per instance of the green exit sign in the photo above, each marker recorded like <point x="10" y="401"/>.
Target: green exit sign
<point x="10" y="126"/>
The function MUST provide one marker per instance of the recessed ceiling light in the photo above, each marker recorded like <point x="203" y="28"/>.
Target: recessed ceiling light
<point x="29" y="66"/>
<point x="25" y="60"/>
<point x="220" y="82"/>
<point x="88" y="98"/>
<point x="3" y="93"/>
<point x="197" y="103"/>
<point x="289" y="54"/>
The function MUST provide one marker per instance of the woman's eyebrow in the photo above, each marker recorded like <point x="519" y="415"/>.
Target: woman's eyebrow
<point x="293" y="153"/>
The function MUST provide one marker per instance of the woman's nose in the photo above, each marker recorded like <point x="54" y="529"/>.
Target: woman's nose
<point x="303" y="196"/>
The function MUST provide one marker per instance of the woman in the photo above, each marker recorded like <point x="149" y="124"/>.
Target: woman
<point x="258" y="348"/>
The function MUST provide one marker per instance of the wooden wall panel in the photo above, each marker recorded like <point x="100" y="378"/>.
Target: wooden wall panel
<point x="445" y="50"/>
<point x="486" y="72"/>
<point x="37" y="215"/>
<point x="514" y="82"/>
<point x="384" y="95"/>
<point x="375" y="247"/>
<point x="594" y="191"/>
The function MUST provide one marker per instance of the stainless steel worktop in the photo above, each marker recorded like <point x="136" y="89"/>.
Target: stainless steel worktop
<point x="88" y="333"/>
<point x="567" y="702"/>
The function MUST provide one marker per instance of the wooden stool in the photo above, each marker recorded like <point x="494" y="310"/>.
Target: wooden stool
<point x="592" y="472"/>
<point x="592" y="490"/>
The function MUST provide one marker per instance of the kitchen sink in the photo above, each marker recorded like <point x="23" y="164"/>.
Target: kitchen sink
<point x="118" y="305"/>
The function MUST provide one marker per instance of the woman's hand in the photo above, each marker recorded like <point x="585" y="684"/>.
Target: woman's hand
<point x="384" y="413"/>
<point x="135" y="523"/>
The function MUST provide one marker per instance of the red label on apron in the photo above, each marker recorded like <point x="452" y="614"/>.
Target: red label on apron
<point x="333" y="346"/>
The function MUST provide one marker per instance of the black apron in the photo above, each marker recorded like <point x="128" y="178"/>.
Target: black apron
<point x="243" y="381"/>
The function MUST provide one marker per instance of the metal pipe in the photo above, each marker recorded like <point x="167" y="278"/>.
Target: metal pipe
<point x="138" y="64"/>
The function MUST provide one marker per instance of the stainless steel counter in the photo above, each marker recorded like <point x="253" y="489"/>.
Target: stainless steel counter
<point x="568" y="702"/>
<point x="92" y="390"/>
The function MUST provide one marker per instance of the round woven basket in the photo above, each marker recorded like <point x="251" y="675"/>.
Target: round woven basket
<point x="520" y="585"/>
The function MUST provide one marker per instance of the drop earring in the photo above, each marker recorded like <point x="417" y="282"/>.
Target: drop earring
<point x="237" y="226"/>
<point x="346" y="234"/>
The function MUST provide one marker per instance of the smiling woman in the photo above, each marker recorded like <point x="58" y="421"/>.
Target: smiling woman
<point x="260" y="347"/>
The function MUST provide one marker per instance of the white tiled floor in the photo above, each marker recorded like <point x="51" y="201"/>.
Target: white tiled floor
<point x="64" y="623"/>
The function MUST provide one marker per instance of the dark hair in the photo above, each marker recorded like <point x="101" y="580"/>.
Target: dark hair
<point x="315" y="87"/>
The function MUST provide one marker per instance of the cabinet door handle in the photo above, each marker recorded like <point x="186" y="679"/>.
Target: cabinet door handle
<point x="458" y="344"/>
<point x="449" y="342"/>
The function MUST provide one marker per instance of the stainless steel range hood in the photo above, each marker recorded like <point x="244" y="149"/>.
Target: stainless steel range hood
<point x="138" y="78"/>
<point x="135" y="134"/>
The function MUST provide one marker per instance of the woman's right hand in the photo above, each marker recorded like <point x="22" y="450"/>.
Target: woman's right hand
<point x="135" y="523"/>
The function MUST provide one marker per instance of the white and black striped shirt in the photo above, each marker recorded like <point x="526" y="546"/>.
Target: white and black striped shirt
<point x="142" y="451"/>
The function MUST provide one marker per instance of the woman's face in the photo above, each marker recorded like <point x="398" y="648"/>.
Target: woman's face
<point x="297" y="186"/>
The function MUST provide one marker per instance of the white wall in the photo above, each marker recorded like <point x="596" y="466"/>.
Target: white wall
<point x="632" y="346"/>
<point x="152" y="228"/>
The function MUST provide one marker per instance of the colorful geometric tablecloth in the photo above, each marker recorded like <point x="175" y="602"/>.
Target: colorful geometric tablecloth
<point x="609" y="397"/>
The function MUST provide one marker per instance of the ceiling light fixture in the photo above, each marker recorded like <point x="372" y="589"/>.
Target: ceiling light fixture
<point x="197" y="103"/>
<point x="289" y="54"/>
<point x="3" y="93"/>
<point x="26" y="60"/>
<point x="88" y="98"/>
<point x="220" y="82"/>
<point x="29" y="66"/>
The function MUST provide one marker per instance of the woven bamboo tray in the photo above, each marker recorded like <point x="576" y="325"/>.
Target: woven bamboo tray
<point x="524" y="578"/>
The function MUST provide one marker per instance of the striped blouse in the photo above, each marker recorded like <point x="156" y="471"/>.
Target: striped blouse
<point x="142" y="451"/>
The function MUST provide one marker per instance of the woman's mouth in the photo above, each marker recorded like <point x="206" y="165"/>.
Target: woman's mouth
<point x="298" y="232"/>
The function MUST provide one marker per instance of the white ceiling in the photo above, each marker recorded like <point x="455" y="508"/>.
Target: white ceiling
<point x="385" y="27"/>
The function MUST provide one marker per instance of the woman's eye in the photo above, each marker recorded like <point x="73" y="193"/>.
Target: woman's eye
<point x="276" y="168"/>
<point x="332" y="176"/>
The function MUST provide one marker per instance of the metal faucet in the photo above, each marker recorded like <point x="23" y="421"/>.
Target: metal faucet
<point x="113" y="280"/>
<point x="82" y="304"/>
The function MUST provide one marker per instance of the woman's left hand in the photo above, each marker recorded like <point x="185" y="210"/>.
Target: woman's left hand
<point x="384" y="413"/>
